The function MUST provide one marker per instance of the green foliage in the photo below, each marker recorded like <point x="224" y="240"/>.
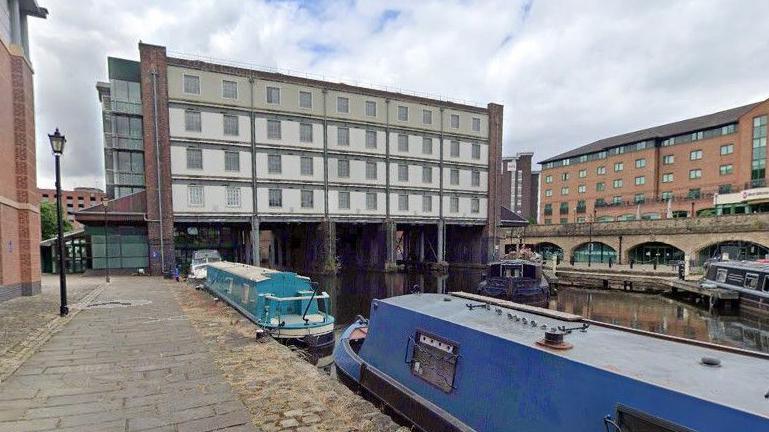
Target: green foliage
<point x="532" y="221"/>
<point x="48" y="223"/>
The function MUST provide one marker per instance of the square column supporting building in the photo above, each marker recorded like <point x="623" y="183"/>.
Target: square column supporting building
<point x="256" y="258"/>
<point x="390" y="233"/>
<point x="490" y="231"/>
<point x="328" y="260"/>
<point x="441" y="241"/>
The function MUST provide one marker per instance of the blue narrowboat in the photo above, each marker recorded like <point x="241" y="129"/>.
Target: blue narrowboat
<point x="465" y="362"/>
<point x="749" y="278"/>
<point x="288" y="306"/>
<point x="517" y="280"/>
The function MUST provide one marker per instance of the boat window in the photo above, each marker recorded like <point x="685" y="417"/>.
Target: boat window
<point x="434" y="359"/>
<point x="512" y="271"/>
<point x="494" y="270"/>
<point x="630" y="419"/>
<point x="721" y="275"/>
<point x="529" y="272"/>
<point x="765" y="287"/>
<point x="751" y="281"/>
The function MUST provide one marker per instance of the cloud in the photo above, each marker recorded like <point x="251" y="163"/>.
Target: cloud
<point x="567" y="73"/>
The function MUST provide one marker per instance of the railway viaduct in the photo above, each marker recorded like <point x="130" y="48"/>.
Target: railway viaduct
<point x="742" y="236"/>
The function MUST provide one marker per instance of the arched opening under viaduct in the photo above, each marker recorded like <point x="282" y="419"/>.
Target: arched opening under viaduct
<point x="596" y="252"/>
<point x="548" y="250"/>
<point x="655" y="252"/>
<point x="733" y="250"/>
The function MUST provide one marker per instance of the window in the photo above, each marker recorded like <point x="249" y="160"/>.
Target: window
<point x="548" y="192"/>
<point x="403" y="172"/>
<point x="305" y="132"/>
<point x="581" y="189"/>
<point x="565" y="190"/>
<point x="476" y="178"/>
<point x="343" y="168"/>
<point x="427" y="117"/>
<point x="454" y="177"/>
<point x="232" y="161"/>
<point x="229" y="89"/>
<point x="427" y="174"/>
<point x="668" y="159"/>
<point x="344" y="200"/>
<point x="371" y="139"/>
<point x="640" y="163"/>
<point x="454" y="149"/>
<point x="758" y="158"/>
<point x="694" y="193"/>
<point x="476" y="124"/>
<point x="371" y="201"/>
<point x="548" y="210"/>
<point x="403" y="143"/>
<point x="192" y="122"/>
<point x="548" y="179"/>
<point x="273" y="129"/>
<point x="695" y="155"/>
<point x="476" y="151"/>
<point x="751" y="281"/>
<point x="371" y="108"/>
<point x="305" y="166"/>
<point x="727" y="149"/>
<point x="475" y="205"/>
<point x="191" y="84"/>
<point x="343" y="136"/>
<point x="617" y="183"/>
<point x="342" y="104"/>
<point x="639" y="198"/>
<point x="617" y="200"/>
<point x="640" y="180"/>
<point x="305" y="99"/>
<point x="667" y="178"/>
<point x="601" y="170"/>
<point x="564" y="176"/>
<point x="455" y="121"/>
<point x="194" y="158"/>
<point x="195" y="196"/>
<point x="371" y="169"/>
<point x="273" y="95"/>
<point x="726" y="169"/>
<point x="454" y="204"/>
<point x="403" y="202"/>
<point x="582" y="173"/>
<point x="403" y="113"/>
<point x="231" y="125"/>
<point x="667" y="195"/>
<point x="427" y="146"/>
<point x="548" y="221"/>
<point x="600" y="186"/>
<point x="695" y="174"/>
<point x="308" y="199"/>
<point x="564" y="208"/>
<point x="619" y="166"/>
<point x="427" y="203"/>
<point x="580" y="219"/>
<point x="274" y="165"/>
<point x="233" y="196"/>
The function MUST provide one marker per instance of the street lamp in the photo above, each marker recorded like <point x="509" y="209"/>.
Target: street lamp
<point x="105" y="204"/>
<point x="57" y="146"/>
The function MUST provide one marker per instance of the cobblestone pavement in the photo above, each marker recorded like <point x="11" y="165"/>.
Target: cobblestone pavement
<point x="281" y="391"/>
<point x="120" y="367"/>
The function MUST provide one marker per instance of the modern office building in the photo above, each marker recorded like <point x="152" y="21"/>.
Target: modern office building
<point x="19" y="212"/>
<point x="329" y="169"/>
<point x="519" y="185"/>
<point x="74" y="200"/>
<point x="668" y="171"/>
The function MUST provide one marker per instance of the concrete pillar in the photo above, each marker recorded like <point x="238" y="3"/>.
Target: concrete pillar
<point x="687" y="266"/>
<point x="441" y="241"/>
<point x="327" y="260"/>
<point x="255" y="258"/>
<point x="421" y="244"/>
<point x="389" y="228"/>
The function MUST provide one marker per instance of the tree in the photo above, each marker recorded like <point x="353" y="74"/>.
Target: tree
<point x="48" y="223"/>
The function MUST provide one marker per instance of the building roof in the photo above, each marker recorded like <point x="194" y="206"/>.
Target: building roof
<point x="667" y="130"/>
<point x="126" y="209"/>
<point x="509" y="219"/>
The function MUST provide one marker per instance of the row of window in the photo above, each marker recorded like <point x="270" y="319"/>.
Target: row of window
<point x="196" y="198"/>
<point x="273" y="97"/>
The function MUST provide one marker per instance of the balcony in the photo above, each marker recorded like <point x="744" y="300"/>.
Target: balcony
<point x="126" y="178"/>
<point x="121" y="107"/>
<point x="123" y="143"/>
<point x="755" y="183"/>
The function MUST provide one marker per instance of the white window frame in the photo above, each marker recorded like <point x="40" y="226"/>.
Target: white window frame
<point x="452" y="123"/>
<point x="279" y="195"/>
<point x="369" y="134"/>
<point x="427" y="115"/>
<point x="346" y="104"/>
<point x="427" y="144"/>
<point x="476" y="124"/>
<point x="427" y="174"/>
<point x="188" y="123"/>
<point x="371" y="170"/>
<point x="303" y="164"/>
<point x="366" y="105"/>
<point x="192" y="202"/>
<point x="343" y="168"/>
<point x="304" y="92"/>
<point x="343" y="198"/>
<point x="224" y="84"/>
<point x="226" y="117"/>
<point x="403" y="202"/>
<point x="427" y="203"/>
<point x="371" y="201"/>
<point x="237" y="159"/>
<point x="307" y="203"/>
<point x="343" y="136"/>
<point x="303" y="137"/>
<point x="270" y="90"/>
<point x="194" y="150"/>
<point x="277" y="169"/>
<point x="403" y="109"/>
<point x="403" y="172"/>
<point x="184" y="84"/>
<point x="232" y="196"/>
<point x="279" y="129"/>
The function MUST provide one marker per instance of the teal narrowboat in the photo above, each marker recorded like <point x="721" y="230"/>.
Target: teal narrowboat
<point x="288" y="306"/>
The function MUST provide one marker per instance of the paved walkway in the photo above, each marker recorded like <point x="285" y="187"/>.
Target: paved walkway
<point x="121" y="367"/>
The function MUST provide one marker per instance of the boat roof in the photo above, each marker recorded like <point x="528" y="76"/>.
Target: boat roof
<point x="252" y="273"/>
<point x="514" y="261"/>
<point x="745" y="265"/>
<point x="740" y="382"/>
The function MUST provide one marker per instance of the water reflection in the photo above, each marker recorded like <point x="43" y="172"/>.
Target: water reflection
<point x="351" y="293"/>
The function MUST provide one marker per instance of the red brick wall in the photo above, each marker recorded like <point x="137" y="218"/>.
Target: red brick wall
<point x="495" y="163"/>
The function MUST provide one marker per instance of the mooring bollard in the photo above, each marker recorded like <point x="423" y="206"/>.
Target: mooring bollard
<point x="610" y="262"/>
<point x="632" y="261"/>
<point x="571" y="260"/>
<point x="655" y="265"/>
<point x="681" y="270"/>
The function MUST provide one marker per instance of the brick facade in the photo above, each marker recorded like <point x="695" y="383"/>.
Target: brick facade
<point x="73" y="200"/>
<point x="490" y="231"/>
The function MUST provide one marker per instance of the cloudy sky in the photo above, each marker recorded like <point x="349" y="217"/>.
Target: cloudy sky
<point x="567" y="72"/>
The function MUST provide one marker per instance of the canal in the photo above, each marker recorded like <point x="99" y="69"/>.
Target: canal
<point x="351" y="293"/>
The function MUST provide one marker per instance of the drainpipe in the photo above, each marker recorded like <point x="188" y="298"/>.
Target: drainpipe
<point x="157" y="166"/>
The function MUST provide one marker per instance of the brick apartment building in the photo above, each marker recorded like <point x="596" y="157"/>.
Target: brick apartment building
<point x="673" y="170"/>
<point x="19" y="212"/>
<point x="74" y="200"/>
<point x="519" y="185"/>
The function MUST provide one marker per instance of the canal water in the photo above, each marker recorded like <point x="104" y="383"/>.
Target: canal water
<point x="352" y="291"/>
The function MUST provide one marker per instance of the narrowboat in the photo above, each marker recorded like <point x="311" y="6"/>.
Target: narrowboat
<point x="200" y="261"/>
<point x="286" y="305"/>
<point x="749" y="278"/>
<point x="518" y="280"/>
<point x="465" y="362"/>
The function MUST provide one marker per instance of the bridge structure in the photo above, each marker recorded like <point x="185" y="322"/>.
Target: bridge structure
<point x="692" y="240"/>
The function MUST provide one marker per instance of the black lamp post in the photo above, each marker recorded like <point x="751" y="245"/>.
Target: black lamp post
<point x="105" y="204"/>
<point x="57" y="146"/>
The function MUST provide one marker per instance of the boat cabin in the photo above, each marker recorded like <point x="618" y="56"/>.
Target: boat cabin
<point x="516" y="269"/>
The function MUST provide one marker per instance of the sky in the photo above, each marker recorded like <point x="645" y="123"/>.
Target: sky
<point x="567" y="72"/>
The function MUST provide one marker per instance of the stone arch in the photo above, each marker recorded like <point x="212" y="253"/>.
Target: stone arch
<point x="547" y="249"/>
<point x="652" y="251"/>
<point x="735" y="248"/>
<point x="600" y="252"/>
